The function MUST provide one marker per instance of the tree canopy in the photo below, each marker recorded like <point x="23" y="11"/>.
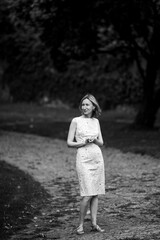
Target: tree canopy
<point x="44" y="43"/>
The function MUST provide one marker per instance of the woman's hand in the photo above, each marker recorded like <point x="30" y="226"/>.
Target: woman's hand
<point x="95" y="140"/>
<point x="90" y="140"/>
<point x="81" y="143"/>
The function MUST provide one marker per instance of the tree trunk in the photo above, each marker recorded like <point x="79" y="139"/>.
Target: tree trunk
<point x="146" y="115"/>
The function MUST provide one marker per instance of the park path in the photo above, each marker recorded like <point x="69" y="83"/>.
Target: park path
<point x="130" y="209"/>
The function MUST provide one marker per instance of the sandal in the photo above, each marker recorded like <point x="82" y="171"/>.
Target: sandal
<point x="97" y="228"/>
<point x="80" y="230"/>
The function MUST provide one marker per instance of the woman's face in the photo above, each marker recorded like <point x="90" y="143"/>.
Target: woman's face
<point x="87" y="107"/>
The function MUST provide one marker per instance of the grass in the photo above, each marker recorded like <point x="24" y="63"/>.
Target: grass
<point x="54" y="123"/>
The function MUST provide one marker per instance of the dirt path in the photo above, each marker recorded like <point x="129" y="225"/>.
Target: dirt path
<point x="130" y="210"/>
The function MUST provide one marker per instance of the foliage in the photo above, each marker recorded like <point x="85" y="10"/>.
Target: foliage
<point x="28" y="68"/>
<point x="51" y="33"/>
<point x="115" y="85"/>
<point x="117" y="27"/>
<point x="30" y="72"/>
<point x="49" y="47"/>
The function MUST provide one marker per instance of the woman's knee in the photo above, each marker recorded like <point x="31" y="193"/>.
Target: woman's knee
<point x="87" y="198"/>
<point x="94" y="197"/>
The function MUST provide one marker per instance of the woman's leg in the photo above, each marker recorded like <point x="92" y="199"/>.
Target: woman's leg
<point x="83" y="209"/>
<point x="94" y="209"/>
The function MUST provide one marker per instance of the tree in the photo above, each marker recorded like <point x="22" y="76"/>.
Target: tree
<point x="80" y="29"/>
<point x="69" y="29"/>
<point x="117" y="26"/>
<point x="6" y="40"/>
<point x="26" y="63"/>
<point x="138" y="26"/>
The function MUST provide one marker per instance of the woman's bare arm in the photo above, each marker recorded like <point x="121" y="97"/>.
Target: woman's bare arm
<point x="99" y="139"/>
<point x="71" y="136"/>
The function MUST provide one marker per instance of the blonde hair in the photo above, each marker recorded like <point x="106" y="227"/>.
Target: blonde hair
<point x="97" y="111"/>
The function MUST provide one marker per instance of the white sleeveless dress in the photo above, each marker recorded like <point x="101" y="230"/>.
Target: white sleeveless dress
<point x="89" y="159"/>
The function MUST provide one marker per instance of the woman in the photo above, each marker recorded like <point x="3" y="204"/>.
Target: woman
<point x="85" y="135"/>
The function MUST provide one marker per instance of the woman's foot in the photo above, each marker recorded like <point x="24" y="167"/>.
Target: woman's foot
<point x="97" y="228"/>
<point x="80" y="230"/>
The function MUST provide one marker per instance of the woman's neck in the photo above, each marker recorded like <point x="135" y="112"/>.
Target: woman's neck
<point x="87" y="116"/>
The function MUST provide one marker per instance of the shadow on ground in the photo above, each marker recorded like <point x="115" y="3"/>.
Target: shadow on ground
<point x="21" y="199"/>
